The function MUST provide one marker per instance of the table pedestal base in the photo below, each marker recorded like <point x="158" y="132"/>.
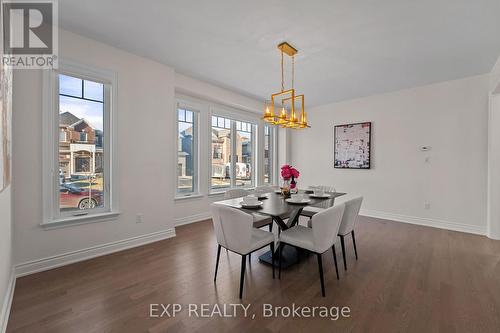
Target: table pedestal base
<point x="289" y="257"/>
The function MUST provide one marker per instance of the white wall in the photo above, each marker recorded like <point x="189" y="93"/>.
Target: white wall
<point x="450" y="116"/>
<point x="146" y="152"/>
<point x="494" y="168"/>
<point x="202" y="90"/>
<point x="5" y="254"/>
<point x="495" y="78"/>
<point x="493" y="230"/>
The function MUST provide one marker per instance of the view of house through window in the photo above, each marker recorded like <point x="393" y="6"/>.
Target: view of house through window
<point x="223" y="129"/>
<point x="244" y="154"/>
<point x="186" y="151"/>
<point x="81" y="119"/>
<point x="221" y="153"/>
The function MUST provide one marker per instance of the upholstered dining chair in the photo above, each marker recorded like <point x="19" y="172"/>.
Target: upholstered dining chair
<point x="260" y="220"/>
<point x="352" y="207"/>
<point x="318" y="239"/>
<point x="309" y="211"/>
<point x="235" y="232"/>
<point x="236" y="193"/>
<point x="264" y="188"/>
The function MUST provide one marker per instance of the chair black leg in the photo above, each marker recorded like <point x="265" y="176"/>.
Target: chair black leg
<point x="335" y="259"/>
<point x="280" y="249"/>
<point x="321" y="278"/>
<point x="343" y="251"/>
<point x="272" y="256"/>
<point x="217" y="262"/>
<point x="249" y="257"/>
<point x="271" y="227"/>
<point x="354" y="243"/>
<point x="242" y="278"/>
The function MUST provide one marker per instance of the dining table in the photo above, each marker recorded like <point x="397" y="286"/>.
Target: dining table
<point x="286" y="215"/>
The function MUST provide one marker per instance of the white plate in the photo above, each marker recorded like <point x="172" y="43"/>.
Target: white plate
<point x="277" y="191"/>
<point x="261" y="195"/>
<point x="320" y="196"/>
<point x="258" y="204"/>
<point x="297" y="202"/>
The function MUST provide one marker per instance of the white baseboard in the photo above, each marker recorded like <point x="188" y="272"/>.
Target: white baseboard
<point x="44" y="264"/>
<point x="192" y="218"/>
<point x="428" y="222"/>
<point x="9" y="294"/>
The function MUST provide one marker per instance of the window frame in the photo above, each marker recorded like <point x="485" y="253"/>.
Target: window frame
<point x="52" y="216"/>
<point x="181" y="104"/>
<point x="272" y="154"/>
<point x="207" y="108"/>
<point x="255" y="165"/>
<point x="233" y="116"/>
<point x="210" y="154"/>
<point x="65" y="136"/>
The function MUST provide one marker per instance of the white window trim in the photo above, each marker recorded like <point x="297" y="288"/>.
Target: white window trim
<point x="183" y="104"/>
<point x="254" y="179"/>
<point x="276" y="167"/>
<point x="50" y="160"/>
<point x="273" y="157"/>
<point x="234" y="116"/>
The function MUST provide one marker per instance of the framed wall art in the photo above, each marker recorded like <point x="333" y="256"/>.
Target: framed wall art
<point x="352" y="146"/>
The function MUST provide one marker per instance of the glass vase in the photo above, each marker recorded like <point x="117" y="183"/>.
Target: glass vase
<point x="285" y="188"/>
<point x="293" y="186"/>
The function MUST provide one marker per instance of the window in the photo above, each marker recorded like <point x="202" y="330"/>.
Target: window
<point x="98" y="139"/>
<point x="232" y="162"/>
<point x="244" y="154"/>
<point x="220" y="148"/>
<point x="268" y="155"/>
<point x="221" y="153"/>
<point x="79" y="112"/>
<point x="187" y="151"/>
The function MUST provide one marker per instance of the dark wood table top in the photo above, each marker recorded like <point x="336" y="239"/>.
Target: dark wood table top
<point x="276" y="206"/>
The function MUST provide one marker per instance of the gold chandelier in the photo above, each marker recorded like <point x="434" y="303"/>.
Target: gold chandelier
<point x="286" y="118"/>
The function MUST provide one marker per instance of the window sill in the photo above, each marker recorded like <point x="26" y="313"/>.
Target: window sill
<point x="215" y="194"/>
<point x="187" y="197"/>
<point x="78" y="220"/>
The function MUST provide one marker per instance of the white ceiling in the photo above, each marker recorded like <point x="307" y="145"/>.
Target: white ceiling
<point x="347" y="48"/>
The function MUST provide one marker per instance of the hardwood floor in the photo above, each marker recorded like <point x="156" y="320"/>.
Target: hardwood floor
<point x="407" y="279"/>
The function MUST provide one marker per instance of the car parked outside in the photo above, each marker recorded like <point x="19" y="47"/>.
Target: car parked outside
<point x="74" y="197"/>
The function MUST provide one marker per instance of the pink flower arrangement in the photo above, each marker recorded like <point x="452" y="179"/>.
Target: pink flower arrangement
<point x="287" y="172"/>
